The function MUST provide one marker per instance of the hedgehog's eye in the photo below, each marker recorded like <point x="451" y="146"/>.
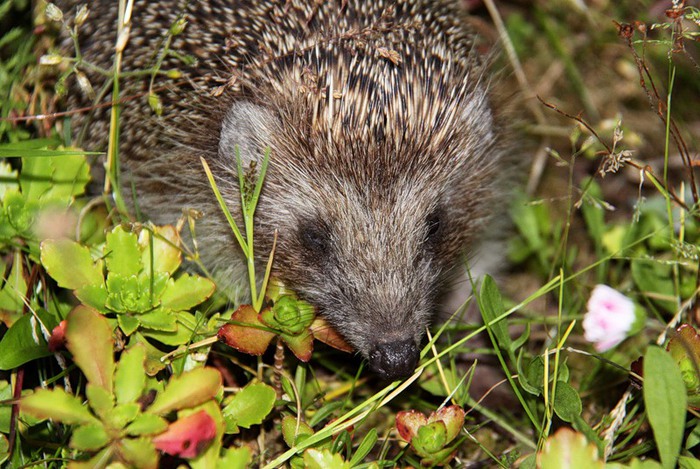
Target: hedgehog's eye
<point x="314" y="238"/>
<point x="433" y="224"/>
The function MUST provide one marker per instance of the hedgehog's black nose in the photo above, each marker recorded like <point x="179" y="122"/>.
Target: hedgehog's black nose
<point x="394" y="360"/>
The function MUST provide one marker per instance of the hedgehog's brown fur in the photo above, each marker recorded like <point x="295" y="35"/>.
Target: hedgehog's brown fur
<point x="384" y="148"/>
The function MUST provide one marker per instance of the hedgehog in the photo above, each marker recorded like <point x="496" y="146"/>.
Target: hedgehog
<point x="385" y="149"/>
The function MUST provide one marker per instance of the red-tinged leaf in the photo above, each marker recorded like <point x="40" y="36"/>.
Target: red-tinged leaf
<point x="187" y="390"/>
<point x="453" y="418"/>
<point x="57" y="341"/>
<point x="325" y="333"/>
<point x="246" y="334"/>
<point x="188" y="436"/>
<point x="89" y="339"/>
<point x="301" y="345"/>
<point x="408" y="422"/>
<point x="210" y="457"/>
<point x="57" y="405"/>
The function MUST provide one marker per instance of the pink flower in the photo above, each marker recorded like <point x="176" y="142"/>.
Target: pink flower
<point x="609" y="318"/>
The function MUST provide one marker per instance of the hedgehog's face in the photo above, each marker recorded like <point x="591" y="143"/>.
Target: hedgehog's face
<point x="370" y="258"/>
<point x="372" y="271"/>
<point x="364" y="234"/>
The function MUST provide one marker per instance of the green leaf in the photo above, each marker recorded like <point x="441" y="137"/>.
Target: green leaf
<point x="35" y="178"/>
<point x="153" y="363"/>
<point x="665" y="402"/>
<point x="656" y="278"/>
<point x="89" y="437"/>
<point x="159" y="320"/>
<point x="58" y="177"/>
<point x="99" y="460"/>
<point x="532" y="377"/>
<point x="139" y="452"/>
<point x="636" y="464"/>
<point x="181" y="335"/>
<point x="24" y="341"/>
<point x="251" y="405"/>
<point x="187" y="390"/>
<point x="567" y="403"/>
<point x="130" y="378"/>
<point x="235" y="458"/>
<point x="12" y="294"/>
<point x="89" y="339"/>
<point x="94" y="296"/>
<point x="71" y="174"/>
<point x="123" y="255"/>
<point x="122" y="415"/>
<point x="101" y="401"/>
<point x="453" y="418"/>
<point x="57" y="405"/>
<point x="21" y="214"/>
<point x="70" y="264"/>
<point x="128" y="323"/>
<point x="147" y="424"/>
<point x="5" y="409"/>
<point x="186" y="292"/>
<point x="593" y="212"/>
<point x="134" y="294"/>
<point x="685" y="462"/>
<point x="430" y="439"/>
<point x="289" y="315"/>
<point x="294" y="431"/>
<point x="323" y="459"/>
<point x="364" y="448"/>
<point x="4" y="448"/>
<point x="7" y="174"/>
<point x="491" y="304"/>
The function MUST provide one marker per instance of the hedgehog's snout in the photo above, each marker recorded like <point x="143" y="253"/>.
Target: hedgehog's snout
<point x="394" y="360"/>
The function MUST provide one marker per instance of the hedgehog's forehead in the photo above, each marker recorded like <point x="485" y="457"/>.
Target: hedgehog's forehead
<point x="370" y="99"/>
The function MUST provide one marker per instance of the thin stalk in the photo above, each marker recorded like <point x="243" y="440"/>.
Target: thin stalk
<point x="112" y="177"/>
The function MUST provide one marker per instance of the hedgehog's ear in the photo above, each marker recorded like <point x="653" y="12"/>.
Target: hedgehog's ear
<point x="249" y="128"/>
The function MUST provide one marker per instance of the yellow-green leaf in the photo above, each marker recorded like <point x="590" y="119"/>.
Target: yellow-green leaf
<point x="57" y="405"/>
<point x="139" y="452"/>
<point x="70" y="264"/>
<point x="187" y="390"/>
<point x="89" y="437"/>
<point x="186" y="292"/>
<point x="130" y="377"/>
<point x="251" y="405"/>
<point x="166" y="255"/>
<point x="123" y="255"/>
